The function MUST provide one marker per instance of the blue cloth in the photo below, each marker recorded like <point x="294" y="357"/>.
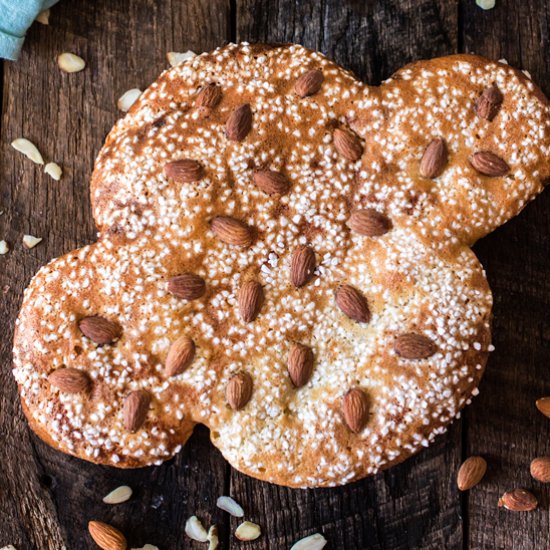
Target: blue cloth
<point x="16" y="16"/>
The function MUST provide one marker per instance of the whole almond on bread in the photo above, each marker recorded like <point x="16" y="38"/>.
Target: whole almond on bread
<point x="355" y="407"/>
<point x="69" y="380"/>
<point x="231" y="231"/>
<point x="188" y="286"/>
<point x="99" y="329"/>
<point x="136" y="406"/>
<point x="489" y="164"/>
<point x="412" y="345"/>
<point x="302" y="266"/>
<point x="239" y="390"/>
<point x="271" y="182"/>
<point x="489" y="102"/>
<point x="250" y="299"/>
<point x="209" y="96"/>
<point x="347" y="144"/>
<point x="369" y="222"/>
<point x="434" y="159"/>
<point x="239" y="123"/>
<point x="180" y="356"/>
<point x="184" y="171"/>
<point x="300" y="364"/>
<point x="309" y="83"/>
<point x="352" y="303"/>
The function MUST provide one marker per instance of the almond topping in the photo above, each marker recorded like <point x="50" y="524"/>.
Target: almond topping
<point x="300" y="364"/>
<point x="412" y="345"/>
<point x="355" y="407"/>
<point x="434" y="159"/>
<point x="471" y="472"/>
<point x="347" y="144"/>
<point x="106" y="536"/>
<point x="540" y="469"/>
<point x="119" y="495"/>
<point x="184" y="171"/>
<point x="352" y="303"/>
<point x="543" y="405"/>
<point x="369" y="222"/>
<point x="70" y="63"/>
<point x="489" y="102"/>
<point x="180" y="356"/>
<point x="309" y="83"/>
<point x="248" y="531"/>
<point x="195" y="530"/>
<point x="239" y="390"/>
<point x="489" y="164"/>
<point x="69" y="380"/>
<point x="209" y="96"/>
<point x="232" y="231"/>
<point x="250" y="299"/>
<point x="187" y="286"/>
<point x="313" y="542"/>
<point x="239" y="123"/>
<point x="229" y="505"/>
<point x="302" y="266"/>
<point x="100" y="330"/>
<point x="518" y="500"/>
<point x="271" y="182"/>
<point x="136" y="406"/>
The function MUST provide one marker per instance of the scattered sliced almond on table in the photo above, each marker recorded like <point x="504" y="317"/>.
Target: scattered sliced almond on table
<point x="213" y="538"/>
<point x="230" y="506"/>
<point x="119" y="495"/>
<point x="106" y="536"/>
<point x="486" y="4"/>
<point x="29" y="149"/>
<point x="147" y="547"/>
<point x="195" y="530"/>
<point x="43" y="17"/>
<point x="248" y="531"/>
<point x="175" y="58"/>
<point x="70" y="62"/>
<point x="30" y="242"/>
<point x="4" y="248"/>
<point x="313" y="542"/>
<point x="471" y="472"/>
<point x="518" y="500"/>
<point x="127" y="99"/>
<point x="53" y="170"/>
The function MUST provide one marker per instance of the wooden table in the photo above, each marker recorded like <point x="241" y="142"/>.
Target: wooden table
<point x="47" y="498"/>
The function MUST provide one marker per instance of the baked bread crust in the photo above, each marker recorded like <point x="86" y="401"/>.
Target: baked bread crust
<point x="341" y="147"/>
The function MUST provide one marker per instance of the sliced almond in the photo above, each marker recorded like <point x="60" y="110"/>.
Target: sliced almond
<point x="231" y="231"/>
<point x="209" y="96"/>
<point x="69" y="380"/>
<point x="540" y="469"/>
<point x="147" y="547"/>
<point x="369" y="222"/>
<point x="518" y="500"/>
<point x="127" y="99"/>
<point x="187" y="286"/>
<point x="239" y="123"/>
<point x="195" y="530"/>
<point x="313" y="542"/>
<point x="43" y="17"/>
<point x="489" y="164"/>
<point x="271" y="182"/>
<point x="184" y="171"/>
<point x="434" y="159"/>
<point x="29" y="149"/>
<point x="239" y="390"/>
<point x="70" y="62"/>
<point x="543" y="405"/>
<point x="119" y="495"/>
<point x="230" y="506"/>
<point x="488" y="103"/>
<point x="300" y="364"/>
<point x="136" y="407"/>
<point x="106" y="536"/>
<point x="471" y="472"/>
<point x="309" y="83"/>
<point x="250" y="299"/>
<point x="53" y="170"/>
<point x="347" y="144"/>
<point x="412" y="345"/>
<point x="4" y="248"/>
<point x="355" y="407"/>
<point x="8" y="547"/>
<point x="175" y="58"/>
<point x="30" y="241"/>
<point x="302" y="266"/>
<point x="248" y="531"/>
<point x="486" y="4"/>
<point x="213" y="539"/>
<point x="180" y="356"/>
<point x="99" y="329"/>
<point x="352" y="303"/>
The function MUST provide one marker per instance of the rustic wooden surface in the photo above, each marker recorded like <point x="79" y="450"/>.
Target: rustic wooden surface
<point x="47" y="498"/>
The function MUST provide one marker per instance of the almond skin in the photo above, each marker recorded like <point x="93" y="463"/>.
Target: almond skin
<point x="250" y="299"/>
<point x="369" y="222"/>
<point x="352" y="303"/>
<point x="271" y="182"/>
<point x="136" y="406"/>
<point x="239" y="123"/>
<point x="543" y="405"/>
<point x="302" y="266"/>
<point x="209" y="96"/>
<point x="471" y="472"/>
<point x="518" y="500"/>
<point x="187" y="286"/>
<point x="106" y="536"/>
<point x="100" y="330"/>
<point x="488" y="104"/>
<point x="180" y="356"/>
<point x="355" y="408"/>
<point x="347" y="144"/>
<point x="239" y="390"/>
<point x="184" y="171"/>
<point x="300" y="364"/>
<point x="489" y="164"/>
<point x="309" y="83"/>
<point x="434" y="159"/>
<point x="412" y="345"/>
<point x="231" y="231"/>
<point x="69" y="380"/>
<point x="540" y="469"/>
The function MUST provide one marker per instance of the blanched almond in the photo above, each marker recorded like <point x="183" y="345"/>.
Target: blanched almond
<point x="70" y="62"/>
<point x="53" y="170"/>
<point x="175" y="58"/>
<point x="29" y="149"/>
<point x="127" y="99"/>
<point x="248" y="531"/>
<point x="213" y="539"/>
<point x="230" y="506"/>
<point x="119" y="495"/>
<point x="29" y="241"/>
<point x="195" y="530"/>
<point x="313" y="542"/>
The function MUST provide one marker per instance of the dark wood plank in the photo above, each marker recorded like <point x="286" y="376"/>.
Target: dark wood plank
<point x="503" y="424"/>
<point x="414" y="505"/>
<point x="46" y="497"/>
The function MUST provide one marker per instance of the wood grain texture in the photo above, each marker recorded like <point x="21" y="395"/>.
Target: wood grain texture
<point x="46" y="498"/>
